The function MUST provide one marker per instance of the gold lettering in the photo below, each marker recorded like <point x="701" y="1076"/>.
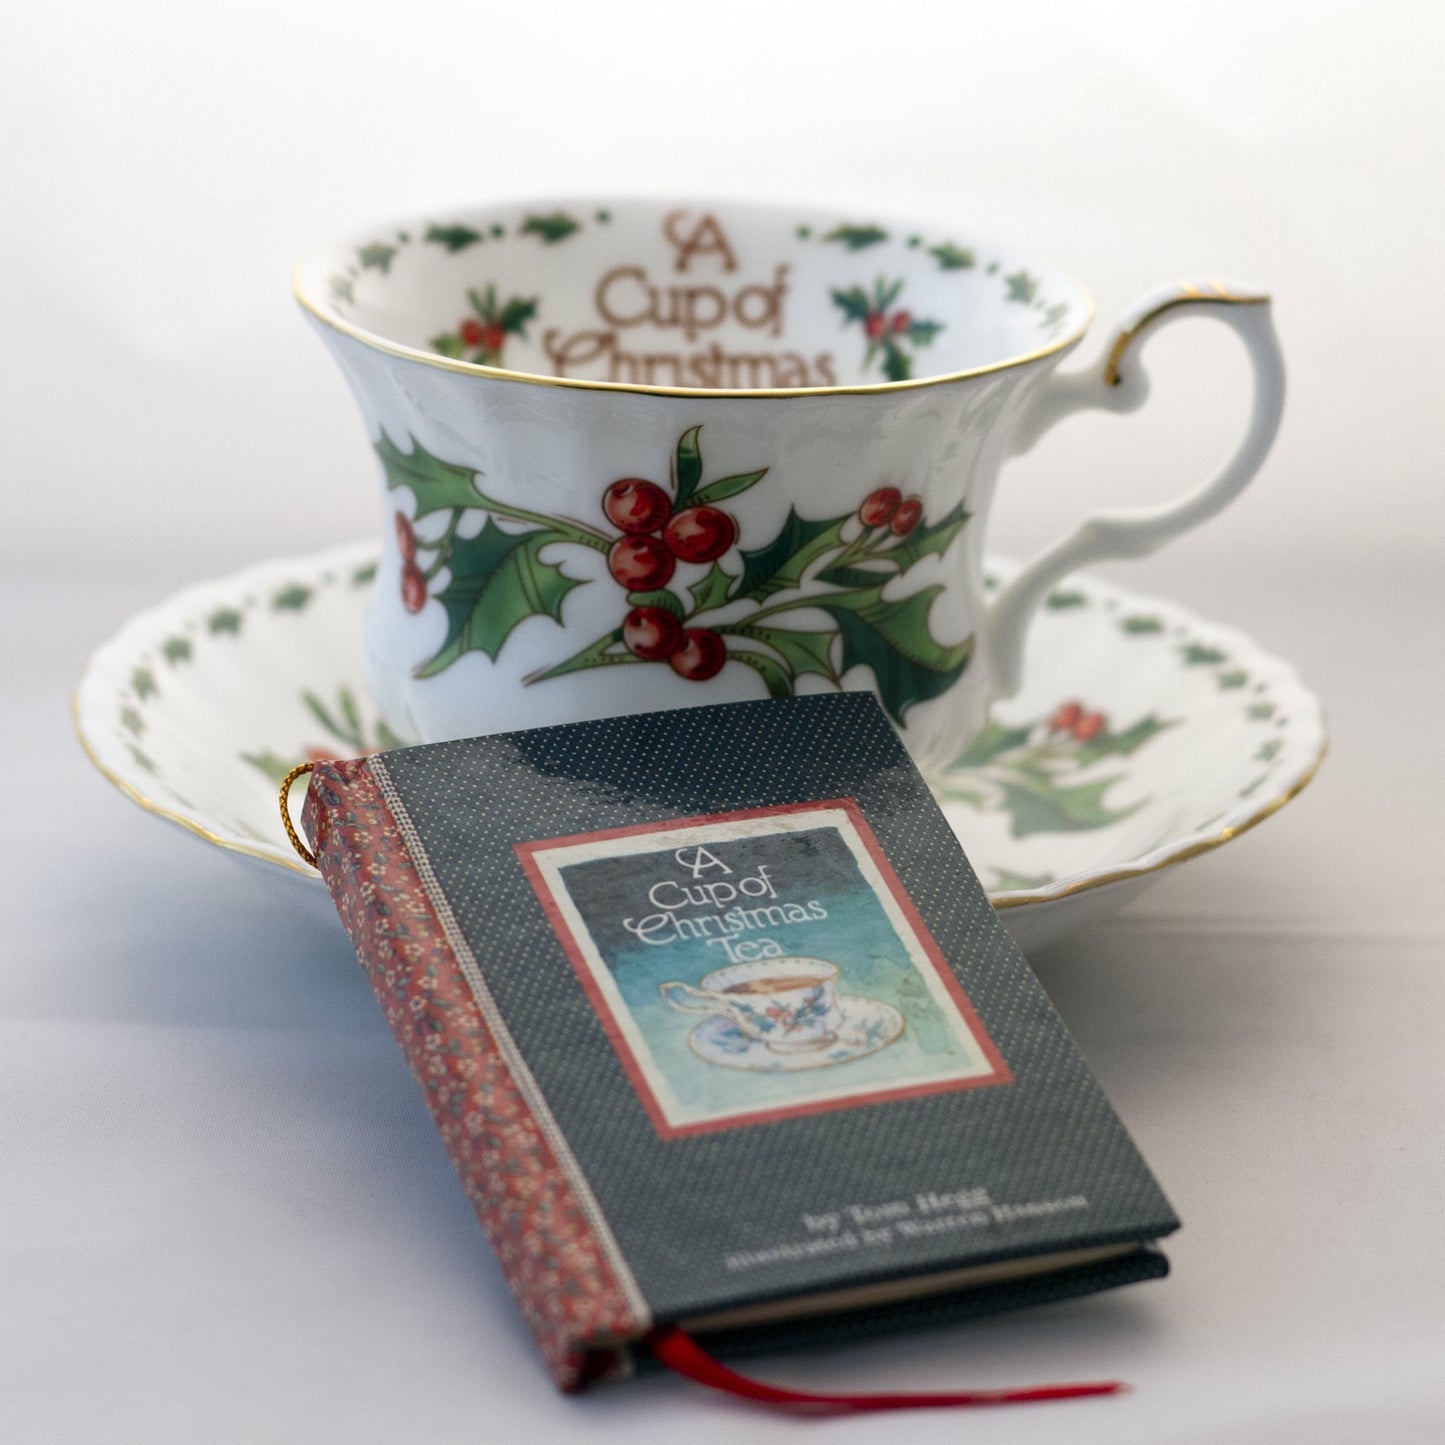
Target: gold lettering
<point x="750" y="372"/>
<point x="770" y="311"/>
<point x="792" y="370"/>
<point x="602" y="297"/>
<point x="694" y="318"/>
<point x="656" y="360"/>
<point x="705" y="239"/>
<point x="577" y="349"/>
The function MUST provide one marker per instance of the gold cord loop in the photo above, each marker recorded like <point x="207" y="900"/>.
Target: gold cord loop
<point x="291" y="832"/>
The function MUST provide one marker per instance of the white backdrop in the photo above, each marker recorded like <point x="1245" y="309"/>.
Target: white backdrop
<point x="168" y="416"/>
<point x="165" y="165"/>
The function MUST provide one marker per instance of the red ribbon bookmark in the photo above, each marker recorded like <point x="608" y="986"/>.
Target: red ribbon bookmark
<point x="680" y="1352"/>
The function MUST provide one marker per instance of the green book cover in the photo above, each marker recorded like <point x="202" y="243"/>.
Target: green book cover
<point x="721" y="1031"/>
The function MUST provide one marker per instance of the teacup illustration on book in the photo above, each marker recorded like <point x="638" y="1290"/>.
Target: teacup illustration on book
<point x="780" y="1014"/>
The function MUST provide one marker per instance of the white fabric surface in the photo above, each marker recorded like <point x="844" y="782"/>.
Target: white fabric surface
<point x="223" y="1212"/>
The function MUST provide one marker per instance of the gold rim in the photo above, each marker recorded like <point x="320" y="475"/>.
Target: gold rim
<point x="160" y="810"/>
<point x="327" y="317"/>
<point x="1193" y="850"/>
<point x="1084" y="885"/>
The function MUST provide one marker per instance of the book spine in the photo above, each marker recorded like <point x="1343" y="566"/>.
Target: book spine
<point x="556" y="1265"/>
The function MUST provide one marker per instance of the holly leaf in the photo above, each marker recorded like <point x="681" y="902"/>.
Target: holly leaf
<point x="893" y="641"/>
<point x="781" y="564"/>
<point x="857" y="238"/>
<point x="516" y="314"/>
<point x="993" y="740"/>
<point x="385" y="738"/>
<point x="929" y="539"/>
<point x="436" y="485"/>
<point x="376" y="257"/>
<point x="451" y="346"/>
<point x="668" y="601"/>
<point x="921" y="333"/>
<point x="601" y="653"/>
<point x="348" y="730"/>
<point x="274" y="767"/>
<point x="498" y="579"/>
<point x="802" y="651"/>
<point x="725" y="487"/>
<point x="778" y="682"/>
<point x="951" y="257"/>
<point x="454" y="238"/>
<point x="552" y="228"/>
<point x="485" y="305"/>
<point x="1021" y="286"/>
<point x="1037" y="806"/>
<point x="852" y="577"/>
<point x="885" y="294"/>
<point x="686" y="467"/>
<point x="897" y="364"/>
<point x="711" y="591"/>
<point x="1109" y="744"/>
<point x="854" y="302"/>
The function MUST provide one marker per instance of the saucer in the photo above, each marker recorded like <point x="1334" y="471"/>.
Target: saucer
<point x="1143" y="735"/>
<point x="868" y="1025"/>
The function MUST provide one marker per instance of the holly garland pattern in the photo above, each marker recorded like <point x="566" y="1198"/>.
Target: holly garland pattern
<point x="834" y="567"/>
<point x="893" y="332"/>
<point x="480" y="337"/>
<point x="1032" y="772"/>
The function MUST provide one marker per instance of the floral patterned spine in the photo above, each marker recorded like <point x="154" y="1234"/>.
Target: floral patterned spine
<point x="554" y="1264"/>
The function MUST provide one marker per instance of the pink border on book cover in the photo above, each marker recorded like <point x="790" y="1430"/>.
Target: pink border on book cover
<point x="999" y="1072"/>
<point x="555" y="1250"/>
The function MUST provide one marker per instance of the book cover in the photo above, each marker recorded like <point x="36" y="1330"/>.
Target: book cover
<point x="720" y="1030"/>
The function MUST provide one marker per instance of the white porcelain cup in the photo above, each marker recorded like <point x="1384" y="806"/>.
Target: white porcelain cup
<point x="789" y="1004"/>
<point x="645" y="454"/>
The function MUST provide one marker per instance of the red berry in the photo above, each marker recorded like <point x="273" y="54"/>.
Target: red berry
<point x="908" y="516"/>
<point x="1065" y="717"/>
<point x="878" y="507"/>
<point x="700" y="534"/>
<point x="413" y="588"/>
<point x="405" y="537"/>
<point x="701" y="656"/>
<point x="471" y="332"/>
<point x="1090" y="726"/>
<point x="636" y="506"/>
<point x="652" y="633"/>
<point x="873" y="325"/>
<point x="640" y="564"/>
<point x="492" y="337"/>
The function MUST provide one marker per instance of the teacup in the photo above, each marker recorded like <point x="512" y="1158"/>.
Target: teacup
<point x="789" y="1004"/>
<point x="644" y="454"/>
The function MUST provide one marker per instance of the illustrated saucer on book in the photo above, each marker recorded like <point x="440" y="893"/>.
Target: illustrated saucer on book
<point x="868" y="1024"/>
<point x="1143" y="735"/>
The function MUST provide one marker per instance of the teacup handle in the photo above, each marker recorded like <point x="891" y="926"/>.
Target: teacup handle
<point x="692" y="1000"/>
<point x="1123" y="387"/>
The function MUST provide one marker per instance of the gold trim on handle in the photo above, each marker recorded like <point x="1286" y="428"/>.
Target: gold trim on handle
<point x="1189" y="294"/>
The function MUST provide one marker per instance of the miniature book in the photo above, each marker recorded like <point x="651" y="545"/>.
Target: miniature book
<point x="721" y="1032"/>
